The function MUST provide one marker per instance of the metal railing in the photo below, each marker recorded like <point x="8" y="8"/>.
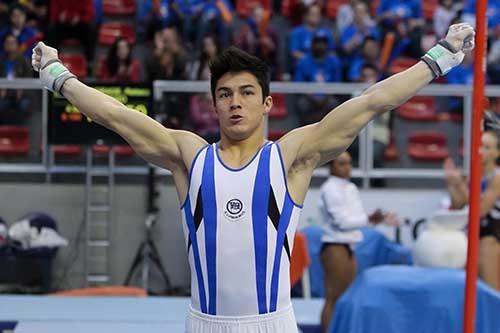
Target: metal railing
<point x="365" y="170"/>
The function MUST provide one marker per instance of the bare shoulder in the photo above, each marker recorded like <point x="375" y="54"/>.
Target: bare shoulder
<point x="298" y="167"/>
<point x="292" y="146"/>
<point x="189" y="145"/>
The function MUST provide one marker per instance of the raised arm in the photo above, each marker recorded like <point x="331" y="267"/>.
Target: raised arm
<point x="158" y="145"/>
<point x="322" y="141"/>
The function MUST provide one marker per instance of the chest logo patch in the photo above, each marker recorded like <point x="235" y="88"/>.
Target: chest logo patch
<point x="234" y="210"/>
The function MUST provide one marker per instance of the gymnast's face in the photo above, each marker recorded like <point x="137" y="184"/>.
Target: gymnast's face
<point x="240" y="106"/>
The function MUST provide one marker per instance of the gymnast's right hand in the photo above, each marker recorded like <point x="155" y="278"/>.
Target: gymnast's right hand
<point x="53" y="73"/>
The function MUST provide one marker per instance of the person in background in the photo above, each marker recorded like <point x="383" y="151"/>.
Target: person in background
<point x="301" y="37"/>
<point x="404" y="17"/>
<point x="446" y="13"/>
<point x="257" y="37"/>
<point x="489" y="243"/>
<point x="462" y="74"/>
<point x="369" y="55"/>
<point x="362" y="27"/>
<point x="201" y="109"/>
<point x="319" y="66"/>
<point x="14" y="104"/>
<point x="73" y="19"/>
<point x="342" y="217"/>
<point x="26" y="36"/>
<point x="168" y="61"/>
<point x="494" y="58"/>
<point x="119" y="65"/>
<point x="199" y="68"/>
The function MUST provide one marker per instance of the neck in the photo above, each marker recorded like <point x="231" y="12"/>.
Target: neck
<point x="238" y="151"/>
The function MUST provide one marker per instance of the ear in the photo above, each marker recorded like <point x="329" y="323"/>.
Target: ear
<point x="268" y="104"/>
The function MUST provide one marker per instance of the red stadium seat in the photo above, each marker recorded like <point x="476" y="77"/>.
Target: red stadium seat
<point x="67" y="150"/>
<point x="400" y="64"/>
<point x="275" y="134"/>
<point x="120" y="150"/>
<point x="109" y="31"/>
<point x="76" y="63"/>
<point x="419" y="108"/>
<point x="279" y="109"/>
<point x="14" y="141"/>
<point x="123" y="150"/>
<point x="244" y="7"/>
<point x="118" y="7"/>
<point x="428" y="146"/>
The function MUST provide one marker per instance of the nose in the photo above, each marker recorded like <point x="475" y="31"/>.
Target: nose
<point x="235" y="101"/>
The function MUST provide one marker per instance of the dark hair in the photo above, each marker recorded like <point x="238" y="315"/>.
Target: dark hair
<point x="18" y="7"/>
<point x="495" y="134"/>
<point x="112" y="60"/>
<point x="369" y="65"/>
<point x="369" y="38"/>
<point x="233" y="60"/>
<point x="204" y="57"/>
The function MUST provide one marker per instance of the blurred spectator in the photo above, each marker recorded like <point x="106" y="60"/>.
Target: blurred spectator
<point x="301" y="36"/>
<point x="342" y="216"/>
<point x="318" y="66"/>
<point x="168" y="61"/>
<point x="381" y="126"/>
<point x="26" y="37"/>
<point x="257" y="37"/>
<point x="202" y="17"/>
<point x="72" y="19"/>
<point x="153" y="15"/>
<point x="361" y="27"/>
<point x="345" y="16"/>
<point x="489" y="246"/>
<point x="494" y="58"/>
<point x="493" y="13"/>
<point x="37" y="13"/>
<point x="447" y="12"/>
<point x="119" y="65"/>
<point x="199" y="68"/>
<point x="462" y="74"/>
<point x="369" y="55"/>
<point x="203" y="117"/>
<point x="404" y="17"/>
<point x="201" y="106"/>
<point x="14" y="104"/>
<point x="4" y="11"/>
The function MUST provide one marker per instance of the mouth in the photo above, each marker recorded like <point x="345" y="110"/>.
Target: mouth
<point x="236" y="118"/>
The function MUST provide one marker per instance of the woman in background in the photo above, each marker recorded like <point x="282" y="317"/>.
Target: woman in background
<point x="119" y="66"/>
<point x="489" y="244"/>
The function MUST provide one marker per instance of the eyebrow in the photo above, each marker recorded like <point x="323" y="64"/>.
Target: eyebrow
<point x="240" y="87"/>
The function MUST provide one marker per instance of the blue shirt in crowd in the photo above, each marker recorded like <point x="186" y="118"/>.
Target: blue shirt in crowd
<point x="408" y="8"/>
<point x="301" y="39"/>
<point x="309" y="69"/>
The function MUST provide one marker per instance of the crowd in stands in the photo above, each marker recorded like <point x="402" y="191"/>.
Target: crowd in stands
<point x="140" y="41"/>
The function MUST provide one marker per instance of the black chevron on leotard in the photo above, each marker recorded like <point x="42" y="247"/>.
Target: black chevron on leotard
<point x="274" y="214"/>
<point x="198" y="215"/>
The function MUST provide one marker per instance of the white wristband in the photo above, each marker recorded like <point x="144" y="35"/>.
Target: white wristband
<point x="54" y="74"/>
<point x="441" y="59"/>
